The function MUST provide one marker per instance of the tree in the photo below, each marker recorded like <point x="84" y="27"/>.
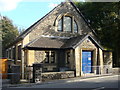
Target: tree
<point x="104" y="19"/>
<point x="9" y="33"/>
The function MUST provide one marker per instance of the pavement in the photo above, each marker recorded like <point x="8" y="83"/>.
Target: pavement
<point x="6" y="83"/>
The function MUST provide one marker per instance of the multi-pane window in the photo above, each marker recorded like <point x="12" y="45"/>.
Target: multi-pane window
<point x="46" y="57"/>
<point x="7" y="54"/>
<point x="10" y="53"/>
<point x="19" y="52"/>
<point x="50" y="57"/>
<point x="60" y="24"/>
<point x="13" y="53"/>
<point x="68" y="58"/>
<point x="67" y="24"/>
<point x="75" y="26"/>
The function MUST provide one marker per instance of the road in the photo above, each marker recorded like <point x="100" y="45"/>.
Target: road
<point x="95" y="83"/>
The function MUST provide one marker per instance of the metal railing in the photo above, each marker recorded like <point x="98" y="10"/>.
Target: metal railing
<point x="98" y="70"/>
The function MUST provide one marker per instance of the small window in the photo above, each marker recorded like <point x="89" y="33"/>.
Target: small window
<point x="68" y="57"/>
<point x="19" y="52"/>
<point x="46" y="57"/>
<point x="52" y="57"/>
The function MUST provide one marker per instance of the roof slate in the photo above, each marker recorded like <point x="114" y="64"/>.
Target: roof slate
<point x="53" y="42"/>
<point x="59" y="43"/>
<point x="45" y="42"/>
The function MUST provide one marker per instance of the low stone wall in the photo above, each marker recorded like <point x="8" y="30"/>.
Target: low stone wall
<point x="57" y="75"/>
<point x="116" y="71"/>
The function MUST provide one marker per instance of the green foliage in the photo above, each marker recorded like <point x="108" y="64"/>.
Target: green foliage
<point x="9" y="32"/>
<point x="104" y="19"/>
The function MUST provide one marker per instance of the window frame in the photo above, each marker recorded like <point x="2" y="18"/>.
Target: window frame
<point x="63" y="24"/>
<point x="47" y="57"/>
<point x="13" y="53"/>
<point x="50" y="56"/>
<point x="9" y="53"/>
<point x="68" y="57"/>
<point x="19" y="52"/>
<point x="74" y="26"/>
<point x="65" y="30"/>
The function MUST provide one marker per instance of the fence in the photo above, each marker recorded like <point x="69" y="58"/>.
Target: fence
<point x="98" y="70"/>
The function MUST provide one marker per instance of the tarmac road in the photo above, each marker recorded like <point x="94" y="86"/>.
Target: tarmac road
<point x="96" y="83"/>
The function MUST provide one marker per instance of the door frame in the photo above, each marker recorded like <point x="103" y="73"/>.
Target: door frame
<point x="94" y="59"/>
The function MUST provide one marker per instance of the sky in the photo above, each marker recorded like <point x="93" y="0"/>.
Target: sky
<point x="24" y="13"/>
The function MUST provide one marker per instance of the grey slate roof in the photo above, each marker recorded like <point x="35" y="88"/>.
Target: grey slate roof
<point x="58" y="43"/>
<point x="45" y="42"/>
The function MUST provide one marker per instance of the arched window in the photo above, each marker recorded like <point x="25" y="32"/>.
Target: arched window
<point x="60" y="25"/>
<point x="67" y="24"/>
<point x="75" y="26"/>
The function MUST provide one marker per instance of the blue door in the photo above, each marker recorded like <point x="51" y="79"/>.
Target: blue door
<point x="86" y="61"/>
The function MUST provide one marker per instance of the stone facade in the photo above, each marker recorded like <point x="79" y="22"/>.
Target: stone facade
<point x="39" y="56"/>
<point x="108" y="58"/>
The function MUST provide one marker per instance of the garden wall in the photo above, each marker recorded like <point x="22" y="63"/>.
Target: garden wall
<point x="57" y="75"/>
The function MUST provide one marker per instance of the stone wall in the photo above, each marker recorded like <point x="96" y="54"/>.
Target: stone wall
<point x="57" y="75"/>
<point x="30" y="57"/>
<point x="108" y="58"/>
<point x="100" y="59"/>
<point x="39" y="56"/>
<point x="77" y="61"/>
<point x="116" y="71"/>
